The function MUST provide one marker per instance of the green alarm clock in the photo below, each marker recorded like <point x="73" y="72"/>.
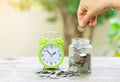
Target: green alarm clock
<point x="51" y="53"/>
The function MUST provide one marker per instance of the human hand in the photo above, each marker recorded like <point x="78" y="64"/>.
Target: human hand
<point x="116" y="4"/>
<point x="89" y="9"/>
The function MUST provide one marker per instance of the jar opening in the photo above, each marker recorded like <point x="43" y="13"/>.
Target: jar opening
<point x="80" y="41"/>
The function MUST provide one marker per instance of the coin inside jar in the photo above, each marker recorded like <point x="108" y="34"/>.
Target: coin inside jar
<point x="80" y="52"/>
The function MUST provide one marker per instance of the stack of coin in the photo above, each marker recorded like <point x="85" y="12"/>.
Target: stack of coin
<point x="56" y="74"/>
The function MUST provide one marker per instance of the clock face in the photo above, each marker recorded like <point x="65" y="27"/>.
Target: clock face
<point x="51" y="55"/>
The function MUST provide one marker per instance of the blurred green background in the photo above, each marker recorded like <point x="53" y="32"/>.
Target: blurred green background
<point x="24" y="22"/>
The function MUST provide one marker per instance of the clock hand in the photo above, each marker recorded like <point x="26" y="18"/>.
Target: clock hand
<point x="49" y="52"/>
<point x="53" y="53"/>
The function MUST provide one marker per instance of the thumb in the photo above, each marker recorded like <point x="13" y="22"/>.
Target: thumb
<point x="87" y="17"/>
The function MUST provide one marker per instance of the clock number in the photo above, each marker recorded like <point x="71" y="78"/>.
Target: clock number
<point x="55" y="62"/>
<point x="47" y="47"/>
<point x="59" y="55"/>
<point x="42" y="55"/>
<point x="51" y="46"/>
<point x="43" y="59"/>
<point x="58" y="59"/>
<point x="58" y="50"/>
<point x="51" y="63"/>
<point x="55" y="47"/>
<point x="44" y="50"/>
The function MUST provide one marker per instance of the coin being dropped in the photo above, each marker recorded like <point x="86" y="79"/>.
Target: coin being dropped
<point x="81" y="29"/>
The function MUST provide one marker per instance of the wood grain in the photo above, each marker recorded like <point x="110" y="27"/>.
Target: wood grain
<point x="23" y="70"/>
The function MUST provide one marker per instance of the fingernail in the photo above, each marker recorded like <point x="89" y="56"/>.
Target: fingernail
<point x="81" y="17"/>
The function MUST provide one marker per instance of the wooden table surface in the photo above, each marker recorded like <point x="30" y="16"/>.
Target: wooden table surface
<point x="104" y="69"/>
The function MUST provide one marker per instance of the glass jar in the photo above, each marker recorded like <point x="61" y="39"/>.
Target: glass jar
<point x="80" y="52"/>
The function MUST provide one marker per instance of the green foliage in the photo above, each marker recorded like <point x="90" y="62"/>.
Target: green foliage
<point x="49" y="5"/>
<point x="114" y="37"/>
<point x="108" y="14"/>
<point x="52" y="19"/>
<point x="69" y="8"/>
<point x="73" y="6"/>
<point x="100" y="19"/>
<point x="22" y="4"/>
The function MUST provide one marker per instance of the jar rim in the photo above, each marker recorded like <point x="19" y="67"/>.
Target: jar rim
<point x="80" y="41"/>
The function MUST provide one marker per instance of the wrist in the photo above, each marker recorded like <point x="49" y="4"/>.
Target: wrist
<point x="115" y="4"/>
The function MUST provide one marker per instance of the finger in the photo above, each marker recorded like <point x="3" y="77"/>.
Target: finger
<point x="91" y="23"/>
<point x="80" y="14"/>
<point x="94" y="21"/>
<point x="87" y="25"/>
<point x="87" y="17"/>
<point x="81" y="11"/>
